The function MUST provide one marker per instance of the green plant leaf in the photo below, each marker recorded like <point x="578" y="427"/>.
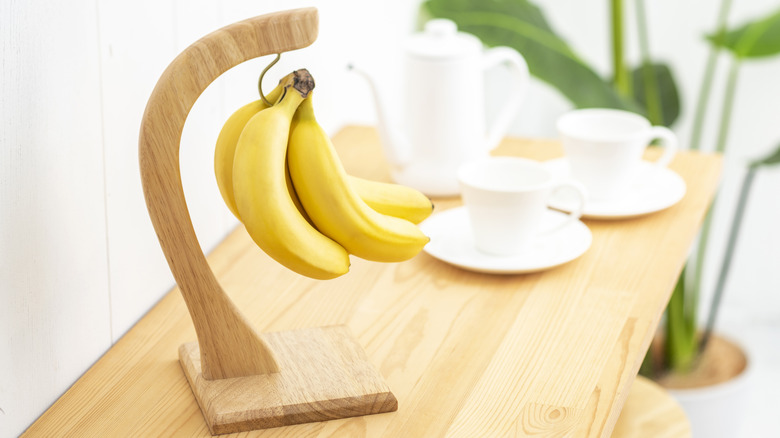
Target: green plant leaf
<point x="770" y="160"/>
<point x="755" y="39"/>
<point x="522" y="26"/>
<point x="668" y="96"/>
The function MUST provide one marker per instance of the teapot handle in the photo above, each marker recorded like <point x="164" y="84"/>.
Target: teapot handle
<point x="519" y="69"/>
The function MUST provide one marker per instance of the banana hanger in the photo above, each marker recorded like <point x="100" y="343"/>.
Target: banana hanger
<point x="243" y="380"/>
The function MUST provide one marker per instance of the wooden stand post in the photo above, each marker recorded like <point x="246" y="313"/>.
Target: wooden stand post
<point x="243" y="380"/>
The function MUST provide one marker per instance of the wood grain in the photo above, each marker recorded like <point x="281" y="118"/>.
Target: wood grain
<point x="650" y="412"/>
<point x="325" y="375"/>
<point x="552" y="353"/>
<point x="229" y="345"/>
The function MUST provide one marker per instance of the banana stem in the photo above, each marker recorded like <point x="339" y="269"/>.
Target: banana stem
<point x="303" y="82"/>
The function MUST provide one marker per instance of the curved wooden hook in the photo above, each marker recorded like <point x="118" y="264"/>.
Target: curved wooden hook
<point x="229" y="346"/>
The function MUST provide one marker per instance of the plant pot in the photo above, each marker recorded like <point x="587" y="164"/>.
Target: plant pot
<point x="715" y="394"/>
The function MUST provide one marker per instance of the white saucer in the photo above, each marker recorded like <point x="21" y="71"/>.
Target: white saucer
<point x="453" y="242"/>
<point x="655" y="189"/>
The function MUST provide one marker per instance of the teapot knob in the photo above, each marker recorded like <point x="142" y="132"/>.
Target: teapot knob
<point x="441" y="27"/>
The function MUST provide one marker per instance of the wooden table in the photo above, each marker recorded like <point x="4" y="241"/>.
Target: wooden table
<point x="466" y="354"/>
<point x="650" y="412"/>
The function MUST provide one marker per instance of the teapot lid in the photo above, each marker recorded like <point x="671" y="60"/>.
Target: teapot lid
<point x="441" y="40"/>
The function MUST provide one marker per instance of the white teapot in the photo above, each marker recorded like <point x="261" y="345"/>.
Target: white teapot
<point x="444" y="122"/>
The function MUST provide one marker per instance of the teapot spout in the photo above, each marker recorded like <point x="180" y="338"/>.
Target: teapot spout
<point x="395" y="145"/>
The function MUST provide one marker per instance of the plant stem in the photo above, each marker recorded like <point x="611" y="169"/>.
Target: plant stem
<point x="680" y="346"/>
<point x="709" y="73"/>
<point x="647" y="369"/>
<point x="652" y="97"/>
<point x="725" y="121"/>
<point x="701" y="249"/>
<point x="736" y="224"/>
<point x="728" y="105"/>
<point x="621" y="80"/>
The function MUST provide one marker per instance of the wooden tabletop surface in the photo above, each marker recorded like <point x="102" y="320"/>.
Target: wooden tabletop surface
<point x="468" y="355"/>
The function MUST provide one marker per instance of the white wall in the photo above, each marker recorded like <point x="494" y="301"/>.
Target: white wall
<point x="79" y="261"/>
<point x="55" y="308"/>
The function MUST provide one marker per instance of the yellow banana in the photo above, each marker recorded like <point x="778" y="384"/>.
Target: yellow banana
<point x="294" y="196"/>
<point x="263" y="200"/>
<point x="334" y="206"/>
<point x="393" y="199"/>
<point x="226" y="145"/>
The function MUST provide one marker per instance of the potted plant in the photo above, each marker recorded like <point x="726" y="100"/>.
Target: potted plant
<point x="713" y="384"/>
<point x="709" y="374"/>
<point x="683" y="353"/>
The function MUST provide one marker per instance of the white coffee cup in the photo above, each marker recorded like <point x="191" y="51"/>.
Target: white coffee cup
<point x="506" y="198"/>
<point x="604" y="148"/>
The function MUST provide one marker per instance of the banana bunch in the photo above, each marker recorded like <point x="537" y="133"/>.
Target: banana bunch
<point x="279" y="174"/>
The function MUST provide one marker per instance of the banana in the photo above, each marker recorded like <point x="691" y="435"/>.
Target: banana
<point x="294" y="196"/>
<point x="263" y="200"/>
<point x="226" y="145"/>
<point x="393" y="199"/>
<point x="334" y="206"/>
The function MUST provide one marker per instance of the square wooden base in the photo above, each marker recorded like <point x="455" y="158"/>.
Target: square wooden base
<point x="324" y="375"/>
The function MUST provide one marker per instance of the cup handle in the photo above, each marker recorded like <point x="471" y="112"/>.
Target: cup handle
<point x="576" y="213"/>
<point x="669" y="141"/>
<point x="507" y="113"/>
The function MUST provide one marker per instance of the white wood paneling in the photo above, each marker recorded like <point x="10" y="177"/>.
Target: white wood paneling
<point x="54" y="303"/>
<point x="137" y="41"/>
<point x="211" y="218"/>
